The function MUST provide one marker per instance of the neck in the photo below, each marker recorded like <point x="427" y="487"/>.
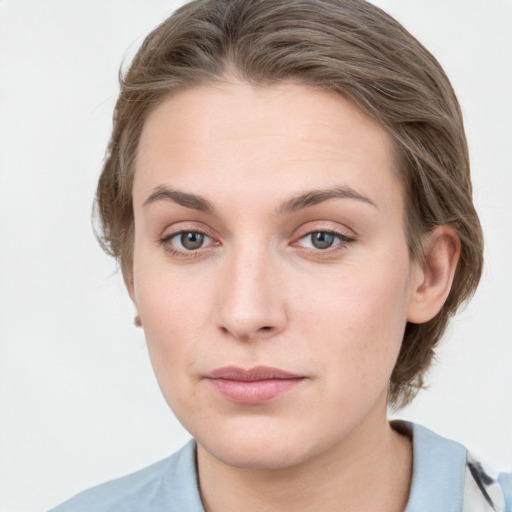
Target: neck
<point x="371" y="469"/>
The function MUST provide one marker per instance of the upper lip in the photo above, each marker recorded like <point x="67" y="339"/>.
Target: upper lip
<point x="252" y="374"/>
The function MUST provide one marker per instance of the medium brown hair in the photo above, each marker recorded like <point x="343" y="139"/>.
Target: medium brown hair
<point x="347" y="46"/>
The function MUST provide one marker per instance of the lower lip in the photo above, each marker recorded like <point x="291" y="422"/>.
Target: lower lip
<point x="253" y="392"/>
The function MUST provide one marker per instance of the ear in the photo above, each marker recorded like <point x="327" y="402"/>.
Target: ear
<point x="131" y="292"/>
<point x="130" y="286"/>
<point x="431" y="280"/>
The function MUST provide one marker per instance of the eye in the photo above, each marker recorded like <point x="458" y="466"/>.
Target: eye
<point x="322" y="240"/>
<point x="187" y="240"/>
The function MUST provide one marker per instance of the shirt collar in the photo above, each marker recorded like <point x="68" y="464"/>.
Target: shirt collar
<point x="439" y="467"/>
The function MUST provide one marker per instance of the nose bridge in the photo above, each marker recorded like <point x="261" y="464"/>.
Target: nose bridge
<point x="251" y="304"/>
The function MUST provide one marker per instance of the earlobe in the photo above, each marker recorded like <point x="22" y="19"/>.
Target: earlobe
<point x="431" y="281"/>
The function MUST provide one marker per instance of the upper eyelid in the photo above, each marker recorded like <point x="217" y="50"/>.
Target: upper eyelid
<point x="342" y="233"/>
<point x="171" y="232"/>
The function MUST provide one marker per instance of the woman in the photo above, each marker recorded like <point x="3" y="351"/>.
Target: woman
<point x="287" y="190"/>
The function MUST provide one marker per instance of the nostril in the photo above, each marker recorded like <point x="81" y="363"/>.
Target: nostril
<point x="265" y="328"/>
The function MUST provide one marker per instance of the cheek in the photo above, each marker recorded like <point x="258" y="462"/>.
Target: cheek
<point x="169" y="299"/>
<point x="173" y="315"/>
<point x="358" y="322"/>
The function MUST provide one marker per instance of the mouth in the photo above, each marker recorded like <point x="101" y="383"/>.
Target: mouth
<point x="254" y="386"/>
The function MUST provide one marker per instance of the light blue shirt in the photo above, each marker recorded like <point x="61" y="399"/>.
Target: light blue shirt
<point x="445" y="479"/>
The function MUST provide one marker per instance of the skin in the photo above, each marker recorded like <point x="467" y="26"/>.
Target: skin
<point x="257" y="292"/>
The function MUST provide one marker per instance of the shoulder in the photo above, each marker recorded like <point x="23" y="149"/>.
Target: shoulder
<point x="505" y="480"/>
<point x="170" y="484"/>
<point x="448" y="477"/>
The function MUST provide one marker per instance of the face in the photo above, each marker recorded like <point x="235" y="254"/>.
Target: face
<point x="271" y="270"/>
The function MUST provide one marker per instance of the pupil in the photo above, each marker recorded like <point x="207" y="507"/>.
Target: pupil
<point x="322" y="240"/>
<point x="192" y="240"/>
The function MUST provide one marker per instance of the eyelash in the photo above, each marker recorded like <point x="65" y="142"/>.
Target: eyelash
<point x="343" y="241"/>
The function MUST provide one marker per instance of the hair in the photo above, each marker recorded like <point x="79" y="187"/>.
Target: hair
<point x="347" y="46"/>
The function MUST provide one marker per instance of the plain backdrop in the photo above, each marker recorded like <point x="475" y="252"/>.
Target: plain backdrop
<point x="78" y="400"/>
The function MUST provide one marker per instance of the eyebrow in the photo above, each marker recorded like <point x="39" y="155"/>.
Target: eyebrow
<point x="300" y="202"/>
<point x="163" y="193"/>
<point x="315" y="197"/>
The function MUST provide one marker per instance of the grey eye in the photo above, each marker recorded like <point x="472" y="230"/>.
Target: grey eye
<point x="191" y="240"/>
<point x="322" y="239"/>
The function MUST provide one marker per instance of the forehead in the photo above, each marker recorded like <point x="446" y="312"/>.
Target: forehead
<point x="291" y="137"/>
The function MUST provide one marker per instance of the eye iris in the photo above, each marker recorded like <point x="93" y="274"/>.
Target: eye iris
<point x="191" y="240"/>
<point x="322" y="240"/>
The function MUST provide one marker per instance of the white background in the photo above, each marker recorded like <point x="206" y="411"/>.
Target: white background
<point x="78" y="400"/>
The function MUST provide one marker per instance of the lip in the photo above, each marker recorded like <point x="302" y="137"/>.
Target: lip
<point x="253" y="386"/>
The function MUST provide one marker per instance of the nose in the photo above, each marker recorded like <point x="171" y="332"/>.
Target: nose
<point x="251" y="303"/>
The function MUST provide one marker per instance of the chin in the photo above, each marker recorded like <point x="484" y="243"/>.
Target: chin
<point x="259" y="445"/>
<point x="254" y="454"/>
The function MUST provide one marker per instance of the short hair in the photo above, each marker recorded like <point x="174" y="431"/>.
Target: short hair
<point x="350" y="47"/>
